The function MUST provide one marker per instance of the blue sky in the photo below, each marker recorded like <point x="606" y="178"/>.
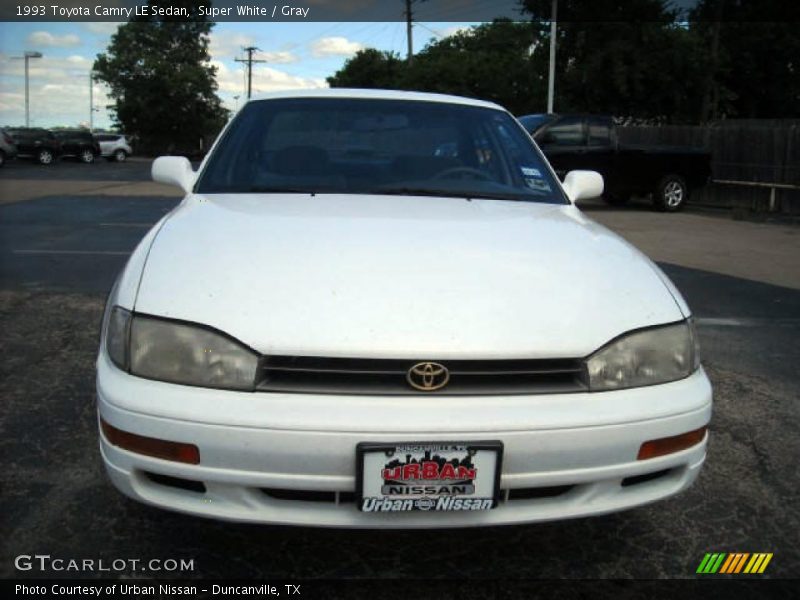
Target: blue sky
<point x="299" y="55"/>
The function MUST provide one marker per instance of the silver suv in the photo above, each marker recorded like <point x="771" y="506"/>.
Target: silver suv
<point x="8" y="149"/>
<point x="114" y="146"/>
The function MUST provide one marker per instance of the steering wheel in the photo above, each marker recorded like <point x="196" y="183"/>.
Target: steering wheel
<point x="463" y="170"/>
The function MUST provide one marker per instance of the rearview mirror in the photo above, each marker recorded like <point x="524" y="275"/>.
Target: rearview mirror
<point x="174" y="170"/>
<point x="580" y="185"/>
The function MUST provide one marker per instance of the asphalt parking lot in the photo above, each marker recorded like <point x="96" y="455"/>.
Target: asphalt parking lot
<point x="65" y="232"/>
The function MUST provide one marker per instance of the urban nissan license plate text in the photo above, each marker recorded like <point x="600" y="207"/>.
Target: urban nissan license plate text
<point x="429" y="476"/>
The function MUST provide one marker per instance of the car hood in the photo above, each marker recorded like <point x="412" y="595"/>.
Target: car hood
<point x="403" y="277"/>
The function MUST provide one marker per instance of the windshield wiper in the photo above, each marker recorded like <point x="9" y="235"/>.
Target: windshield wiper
<point x="265" y="189"/>
<point x="467" y="195"/>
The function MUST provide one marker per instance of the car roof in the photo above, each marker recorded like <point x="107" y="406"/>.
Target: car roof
<point x="570" y="115"/>
<point x="376" y="94"/>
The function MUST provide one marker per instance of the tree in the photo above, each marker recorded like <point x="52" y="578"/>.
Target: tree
<point x="637" y="62"/>
<point x="370" y="68"/>
<point x="160" y="78"/>
<point x="503" y="62"/>
<point x="499" y="61"/>
<point x="756" y="67"/>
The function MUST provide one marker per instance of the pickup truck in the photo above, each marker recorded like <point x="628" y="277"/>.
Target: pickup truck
<point x="667" y="173"/>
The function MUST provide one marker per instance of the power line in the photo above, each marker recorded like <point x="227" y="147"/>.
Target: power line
<point x="249" y="60"/>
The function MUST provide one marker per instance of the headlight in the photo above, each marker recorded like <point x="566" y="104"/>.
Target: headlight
<point x="117" y="336"/>
<point x="178" y="352"/>
<point x="645" y="357"/>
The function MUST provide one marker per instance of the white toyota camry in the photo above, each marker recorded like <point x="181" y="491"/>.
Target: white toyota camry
<point x="382" y="309"/>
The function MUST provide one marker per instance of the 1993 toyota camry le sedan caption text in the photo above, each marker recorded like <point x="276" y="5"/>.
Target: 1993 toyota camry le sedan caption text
<point x="382" y="309"/>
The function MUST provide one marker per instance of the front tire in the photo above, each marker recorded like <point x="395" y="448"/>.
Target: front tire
<point x="671" y="194"/>
<point x="120" y="156"/>
<point x="45" y="157"/>
<point x="86" y="156"/>
<point x="2" y="158"/>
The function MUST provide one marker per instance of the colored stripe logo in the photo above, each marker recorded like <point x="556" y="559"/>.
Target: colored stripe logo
<point x="734" y="563"/>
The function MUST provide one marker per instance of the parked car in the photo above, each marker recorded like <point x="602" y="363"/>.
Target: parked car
<point x="393" y="337"/>
<point x="36" y="143"/>
<point x="591" y="142"/>
<point x="114" y="146"/>
<point x="8" y="149"/>
<point x="78" y="143"/>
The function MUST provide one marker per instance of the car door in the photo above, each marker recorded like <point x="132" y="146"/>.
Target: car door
<point x="69" y="143"/>
<point x="564" y="144"/>
<point x="105" y="143"/>
<point x="600" y="148"/>
<point x="24" y="141"/>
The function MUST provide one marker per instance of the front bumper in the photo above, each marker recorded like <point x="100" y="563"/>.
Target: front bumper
<point x="291" y="459"/>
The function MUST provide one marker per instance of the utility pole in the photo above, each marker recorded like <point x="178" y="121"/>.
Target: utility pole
<point x="551" y="80"/>
<point x="409" y="16"/>
<point x="249" y="60"/>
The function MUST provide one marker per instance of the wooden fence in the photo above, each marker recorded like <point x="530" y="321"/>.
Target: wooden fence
<point x="746" y="151"/>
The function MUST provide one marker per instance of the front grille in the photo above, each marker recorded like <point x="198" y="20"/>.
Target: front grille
<point x="307" y="374"/>
<point x="176" y="482"/>
<point x="637" y="479"/>
<point x="310" y="495"/>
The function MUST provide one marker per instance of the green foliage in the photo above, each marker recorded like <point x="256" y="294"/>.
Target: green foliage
<point x="494" y="61"/>
<point x="636" y="62"/>
<point x="161" y="81"/>
<point x="628" y="58"/>
<point x="370" y="68"/>
<point x="757" y="71"/>
<point x="502" y="61"/>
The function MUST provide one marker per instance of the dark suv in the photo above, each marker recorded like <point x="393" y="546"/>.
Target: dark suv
<point x="78" y="143"/>
<point x="33" y="142"/>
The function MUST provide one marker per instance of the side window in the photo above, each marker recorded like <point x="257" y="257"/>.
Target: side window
<point x="566" y="132"/>
<point x="599" y="132"/>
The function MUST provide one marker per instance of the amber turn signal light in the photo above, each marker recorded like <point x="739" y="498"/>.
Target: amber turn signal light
<point x="175" y="451"/>
<point x="668" y="445"/>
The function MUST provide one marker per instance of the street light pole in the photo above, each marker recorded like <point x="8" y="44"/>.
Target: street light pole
<point x="91" y="103"/>
<point x="29" y="54"/>
<point x="551" y="80"/>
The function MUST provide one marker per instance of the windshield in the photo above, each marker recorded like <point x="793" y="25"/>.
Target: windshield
<point x="367" y="146"/>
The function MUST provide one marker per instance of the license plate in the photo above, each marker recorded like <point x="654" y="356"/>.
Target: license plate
<point x="428" y="476"/>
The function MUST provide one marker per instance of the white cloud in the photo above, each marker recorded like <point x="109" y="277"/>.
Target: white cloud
<point x="228" y="44"/>
<point x="448" y="31"/>
<point x="45" y="38"/>
<point x="103" y="28"/>
<point x="59" y="92"/>
<point x="334" y="46"/>
<point x="79" y="61"/>
<point x="265" y="79"/>
<point x="281" y="57"/>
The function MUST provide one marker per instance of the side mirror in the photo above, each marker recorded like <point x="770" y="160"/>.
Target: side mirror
<point x="174" y="170"/>
<point x="545" y="138"/>
<point x="581" y="185"/>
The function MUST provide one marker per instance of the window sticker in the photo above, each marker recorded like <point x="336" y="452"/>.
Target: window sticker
<point x="540" y="185"/>
<point x="530" y="172"/>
